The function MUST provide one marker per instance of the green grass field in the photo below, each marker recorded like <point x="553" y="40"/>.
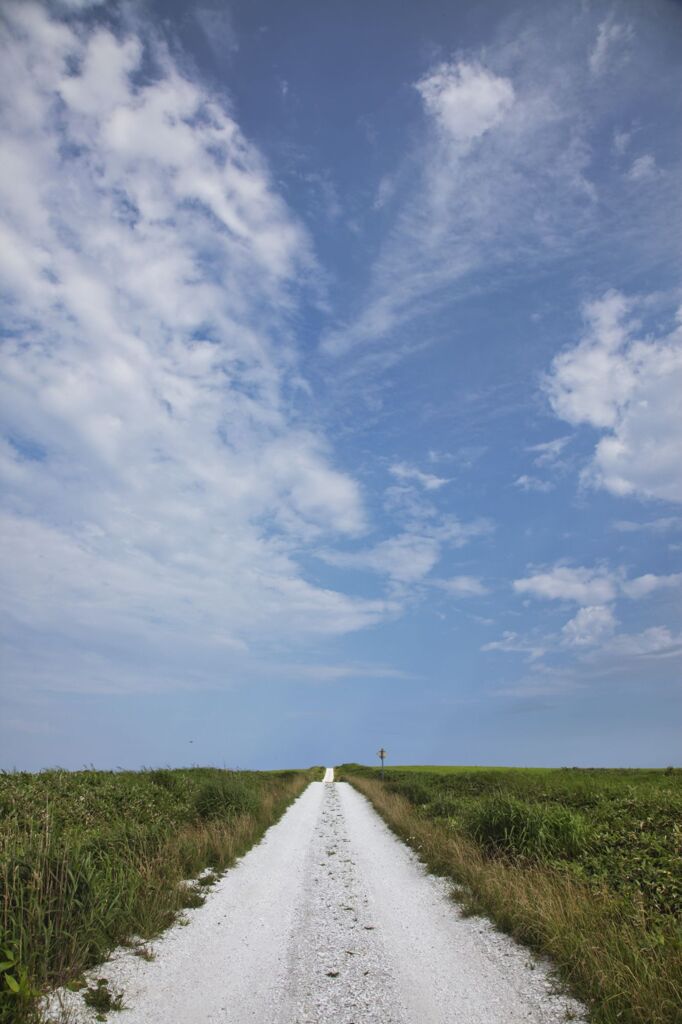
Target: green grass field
<point x="582" y="864"/>
<point x="616" y="828"/>
<point x="90" y="860"/>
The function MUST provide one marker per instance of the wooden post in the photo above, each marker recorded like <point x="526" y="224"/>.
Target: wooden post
<point x="382" y="754"/>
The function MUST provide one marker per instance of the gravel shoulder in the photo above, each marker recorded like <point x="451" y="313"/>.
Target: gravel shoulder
<point x="331" y="919"/>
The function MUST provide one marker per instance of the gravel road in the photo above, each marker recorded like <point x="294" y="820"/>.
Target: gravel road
<point x="331" y="920"/>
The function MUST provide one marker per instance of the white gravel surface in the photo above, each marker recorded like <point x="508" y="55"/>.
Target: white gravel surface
<point x="331" y="920"/>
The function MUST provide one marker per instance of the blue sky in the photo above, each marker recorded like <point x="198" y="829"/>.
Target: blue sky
<point x="341" y="363"/>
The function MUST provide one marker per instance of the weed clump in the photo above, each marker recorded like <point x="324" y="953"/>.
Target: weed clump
<point x="191" y="896"/>
<point x="102" y="999"/>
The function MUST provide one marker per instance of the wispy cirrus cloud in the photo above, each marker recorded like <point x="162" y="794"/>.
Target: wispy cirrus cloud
<point x="326" y="673"/>
<point x="533" y="483"/>
<point x="655" y="642"/>
<point x="512" y="642"/>
<point x="547" y="456"/>
<point x="429" y="481"/>
<point x="643" y="168"/>
<point x="216" y="24"/>
<point x="611" y="44"/>
<point x="663" y="524"/>
<point x="410" y="556"/>
<point x="548" y="453"/>
<point x="506" y="175"/>
<point x="463" y="586"/>
<point x="158" y="480"/>
<point x="473" y="195"/>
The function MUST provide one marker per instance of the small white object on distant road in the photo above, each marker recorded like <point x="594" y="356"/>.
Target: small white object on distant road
<point x="331" y="919"/>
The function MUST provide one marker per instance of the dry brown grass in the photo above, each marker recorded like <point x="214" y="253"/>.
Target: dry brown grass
<point x="608" y="954"/>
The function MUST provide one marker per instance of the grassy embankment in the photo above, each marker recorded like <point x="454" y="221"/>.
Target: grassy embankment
<point x="90" y="860"/>
<point x="582" y="865"/>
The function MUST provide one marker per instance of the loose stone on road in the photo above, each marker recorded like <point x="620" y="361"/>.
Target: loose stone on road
<point x="332" y="920"/>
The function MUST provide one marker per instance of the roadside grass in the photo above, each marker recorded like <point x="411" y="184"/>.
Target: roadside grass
<point x="582" y="867"/>
<point x="89" y="860"/>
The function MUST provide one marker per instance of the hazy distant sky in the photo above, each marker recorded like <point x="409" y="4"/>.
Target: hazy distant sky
<point x="341" y="382"/>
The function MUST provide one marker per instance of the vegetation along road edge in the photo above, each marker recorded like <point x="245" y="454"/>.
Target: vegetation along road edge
<point x="616" y="953"/>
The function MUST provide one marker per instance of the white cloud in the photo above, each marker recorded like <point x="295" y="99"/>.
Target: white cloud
<point x="333" y="673"/>
<point x="592" y="586"/>
<point x="410" y="556"/>
<point x="642" y="586"/>
<point x="223" y="591"/>
<point x="589" y="626"/>
<point x="103" y="81"/>
<point x="657" y="641"/>
<point x="533" y="483"/>
<point x="587" y="385"/>
<point x="661" y="525"/>
<point x="385" y="192"/>
<point x="547" y="453"/>
<point x="621" y="141"/>
<point x="584" y="586"/>
<point x="591" y="636"/>
<point x="512" y="642"/>
<point x="406" y="558"/>
<point x="158" y="480"/>
<point x="463" y="586"/>
<point x="629" y="389"/>
<point x="466" y="100"/>
<point x="610" y="44"/>
<point x="401" y="471"/>
<point x="643" y="168"/>
<point x="79" y="5"/>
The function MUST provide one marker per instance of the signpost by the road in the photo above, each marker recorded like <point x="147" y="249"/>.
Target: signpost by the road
<point x="382" y="754"/>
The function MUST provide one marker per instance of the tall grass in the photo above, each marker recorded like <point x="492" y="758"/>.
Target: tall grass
<point x="624" y="962"/>
<point x="90" y="859"/>
<point x="505" y="824"/>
